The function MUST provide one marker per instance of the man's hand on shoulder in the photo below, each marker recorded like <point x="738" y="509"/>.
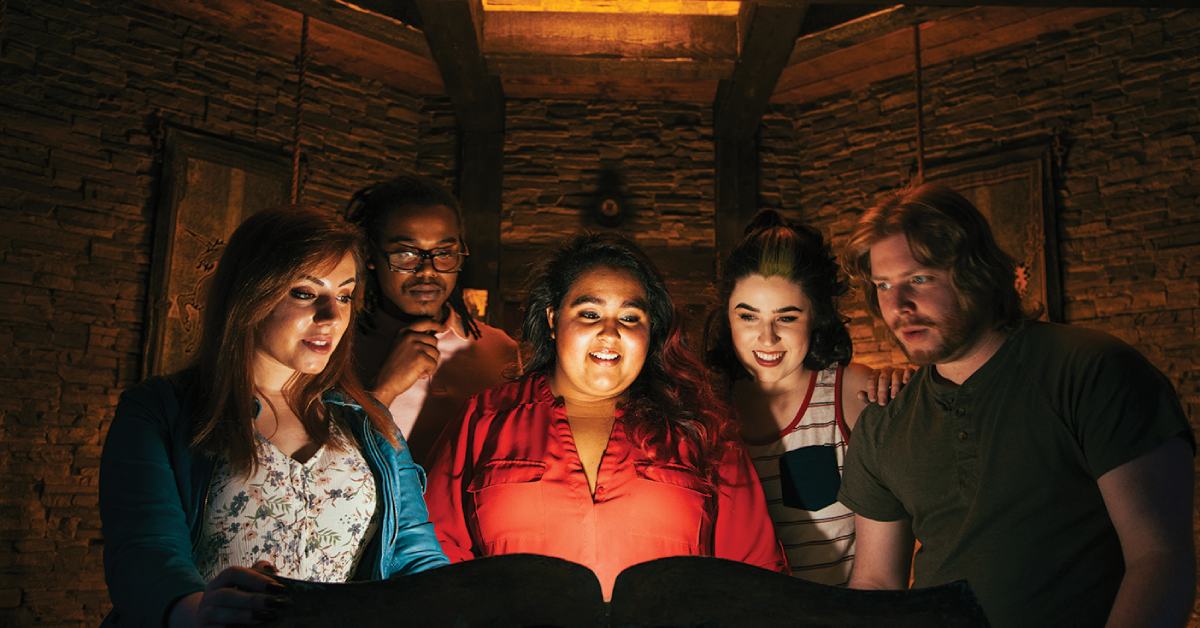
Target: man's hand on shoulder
<point x="864" y="386"/>
<point x="884" y="384"/>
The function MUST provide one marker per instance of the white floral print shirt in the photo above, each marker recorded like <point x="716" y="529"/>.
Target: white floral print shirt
<point x="311" y="520"/>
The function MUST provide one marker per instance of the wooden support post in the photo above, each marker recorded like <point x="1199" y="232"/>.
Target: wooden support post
<point x="768" y="30"/>
<point x="478" y="101"/>
<point x="737" y="189"/>
<point x="480" y="177"/>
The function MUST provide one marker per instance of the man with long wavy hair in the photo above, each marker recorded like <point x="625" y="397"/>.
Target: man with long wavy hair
<point x="1049" y="466"/>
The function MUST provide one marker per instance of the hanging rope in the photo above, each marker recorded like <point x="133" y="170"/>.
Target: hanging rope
<point x="920" y="104"/>
<point x="302" y="65"/>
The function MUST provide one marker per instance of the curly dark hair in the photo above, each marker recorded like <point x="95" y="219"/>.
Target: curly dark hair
<point x="774" y="247"/>
<point x="671" y="400"/>
<point x="370" y="206"/>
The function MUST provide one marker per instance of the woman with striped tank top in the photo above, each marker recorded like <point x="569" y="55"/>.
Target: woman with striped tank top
<point x="783" y="352"/>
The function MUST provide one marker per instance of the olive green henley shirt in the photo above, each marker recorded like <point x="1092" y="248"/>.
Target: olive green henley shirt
<point x="997" y="477"/>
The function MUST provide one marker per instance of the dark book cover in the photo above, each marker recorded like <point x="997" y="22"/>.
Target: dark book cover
<point x="530" y="590"/>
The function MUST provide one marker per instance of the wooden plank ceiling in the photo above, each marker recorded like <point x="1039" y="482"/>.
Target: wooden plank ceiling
<point x="342" y="35"/>
<point x="650" y="49"/>
<point x="676" y="50"/>
<point x="880" y="46"/>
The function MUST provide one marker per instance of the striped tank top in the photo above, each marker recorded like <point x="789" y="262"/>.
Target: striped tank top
<point x="801" y="471"/>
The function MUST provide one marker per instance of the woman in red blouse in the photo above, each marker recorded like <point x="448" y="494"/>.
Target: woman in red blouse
<point x="611" y="449"/>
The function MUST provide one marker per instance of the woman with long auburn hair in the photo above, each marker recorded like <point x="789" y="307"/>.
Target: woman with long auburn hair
<point x="265" y="456"/>
<point x="611" y="449"/>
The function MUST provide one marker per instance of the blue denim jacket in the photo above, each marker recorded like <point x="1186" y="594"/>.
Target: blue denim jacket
<point x="154" y="488"/>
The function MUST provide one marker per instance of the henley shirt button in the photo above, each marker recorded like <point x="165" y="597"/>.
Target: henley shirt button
<point x="960" y="411"/>
<point x="963" y="435"/>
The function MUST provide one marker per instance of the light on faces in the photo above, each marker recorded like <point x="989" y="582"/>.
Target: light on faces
<point x="919" y="304"/>
<point x="306" y="325"/>
<point x="424" y="292"/>
<point x="602" y="334"/>
<point x="770" y="324"/>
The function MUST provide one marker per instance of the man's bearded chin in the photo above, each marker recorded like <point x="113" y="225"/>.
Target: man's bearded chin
<point x="957" y="333"/>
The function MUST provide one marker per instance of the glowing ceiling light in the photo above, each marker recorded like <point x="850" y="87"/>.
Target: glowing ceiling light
<point x="657" y="7"/>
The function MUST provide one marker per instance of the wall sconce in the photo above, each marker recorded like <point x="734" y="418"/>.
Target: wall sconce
<point x="609" y="209"/>
<point x="476" y="301"/>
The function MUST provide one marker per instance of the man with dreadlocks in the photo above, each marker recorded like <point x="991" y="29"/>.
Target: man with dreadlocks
<point x="418" y="348"/>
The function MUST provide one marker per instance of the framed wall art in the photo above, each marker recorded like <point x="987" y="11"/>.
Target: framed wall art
<point x="209" y="185"/>
<point x="1014" y="189"/>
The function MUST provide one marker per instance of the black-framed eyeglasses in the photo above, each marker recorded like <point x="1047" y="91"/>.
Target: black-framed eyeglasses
<point x="410" y="259"/>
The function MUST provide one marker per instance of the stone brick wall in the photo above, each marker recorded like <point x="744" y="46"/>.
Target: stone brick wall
<point x="1124" y="93"/>
<point x="437" y="152"/>
<point x="554" y="151"/>
<point x="80" y="85"/>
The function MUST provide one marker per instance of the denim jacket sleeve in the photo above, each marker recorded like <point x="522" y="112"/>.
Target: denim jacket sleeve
<point x="405" y="542"/>
<point x="415" y="547"/>
<point x="147" y="544"/>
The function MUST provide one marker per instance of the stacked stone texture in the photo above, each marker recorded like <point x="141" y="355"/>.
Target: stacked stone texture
<point x="663" y="154"/>
<point x="438" y="148"/>
<point x="1123" y="92"/>
<point x="554" y="152"/>
<point x="83" y="83"/>
<point x="81" y="87"/>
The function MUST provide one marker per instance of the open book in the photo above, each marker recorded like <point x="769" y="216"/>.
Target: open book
<point x="530" y="590"/>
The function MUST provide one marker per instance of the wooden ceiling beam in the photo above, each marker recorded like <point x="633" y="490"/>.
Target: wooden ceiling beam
<point x="883" y="22"/>
<point x="610" y="35"/>
<point x="845" y="67"/>
<point x="676" y="70"/>
<point x="609" y="56"/>
<point x="1044" y="4"/>
<point x="610" y="88"/>
<point x="768" y="30"/>
<point x="368" y="45"/>
<point x="369" y="24"/>
<point x="662" y="7"/>
<point x="452" y="30"/>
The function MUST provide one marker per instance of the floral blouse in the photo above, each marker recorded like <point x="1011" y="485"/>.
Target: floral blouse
<point x="311" y="520"/>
